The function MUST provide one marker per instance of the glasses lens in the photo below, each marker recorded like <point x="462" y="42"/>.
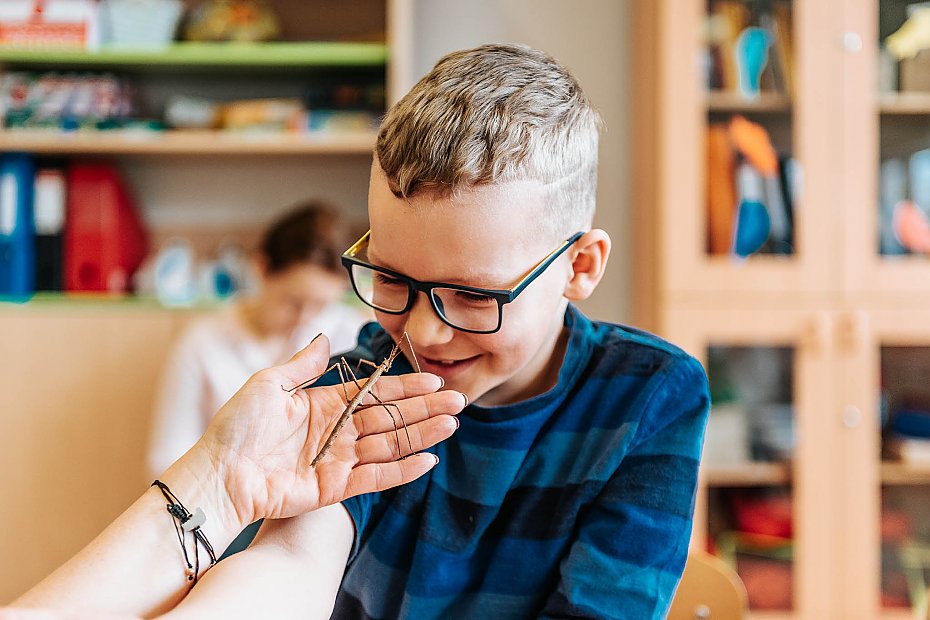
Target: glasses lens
<point x="467" y="310"/>
<point x="380" y="290"/>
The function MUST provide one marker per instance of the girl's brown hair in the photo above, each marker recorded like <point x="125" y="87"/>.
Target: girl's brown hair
<point x="313" y="232"/>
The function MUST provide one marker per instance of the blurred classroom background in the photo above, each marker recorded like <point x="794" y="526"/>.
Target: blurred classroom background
<point x="764" y="175"/>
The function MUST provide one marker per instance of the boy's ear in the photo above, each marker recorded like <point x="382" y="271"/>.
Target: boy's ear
<point x="589" y="259"/>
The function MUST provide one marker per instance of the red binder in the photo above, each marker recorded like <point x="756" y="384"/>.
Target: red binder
<point x="105" y="240"/>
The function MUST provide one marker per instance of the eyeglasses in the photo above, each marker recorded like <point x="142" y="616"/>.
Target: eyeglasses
<point x="466" y="308"/>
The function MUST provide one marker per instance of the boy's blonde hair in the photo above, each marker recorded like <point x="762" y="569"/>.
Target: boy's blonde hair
<point x="494" y="114"/>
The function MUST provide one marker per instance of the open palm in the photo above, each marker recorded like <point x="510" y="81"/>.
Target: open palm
<point x="265" y="437"/>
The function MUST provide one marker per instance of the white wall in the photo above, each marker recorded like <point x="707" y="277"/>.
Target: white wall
<point x="591" y="38"/>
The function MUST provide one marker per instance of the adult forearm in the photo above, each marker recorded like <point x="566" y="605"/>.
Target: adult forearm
<point x="293" y="570"/>
<point x="136" y="565"/>
<point x="265" y="581"/>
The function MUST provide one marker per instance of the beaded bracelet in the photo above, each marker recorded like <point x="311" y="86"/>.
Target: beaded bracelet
<point x="184" y="522"/>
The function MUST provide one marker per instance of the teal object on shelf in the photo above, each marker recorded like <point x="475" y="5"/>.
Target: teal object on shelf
<point x="752" y="54"/>
<point x="752" y="228"/>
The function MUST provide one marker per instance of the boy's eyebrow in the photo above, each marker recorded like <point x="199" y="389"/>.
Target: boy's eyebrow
<point x="481" y="277"/>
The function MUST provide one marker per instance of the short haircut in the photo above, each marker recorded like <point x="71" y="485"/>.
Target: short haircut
<point x="310" y="233"/>
<point x="494" y="114"/>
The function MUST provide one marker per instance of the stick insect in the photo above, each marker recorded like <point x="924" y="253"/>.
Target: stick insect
<point x="355" y="403"/>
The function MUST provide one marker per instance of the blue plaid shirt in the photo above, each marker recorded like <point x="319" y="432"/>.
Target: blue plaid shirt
<point x="576" y="503"/>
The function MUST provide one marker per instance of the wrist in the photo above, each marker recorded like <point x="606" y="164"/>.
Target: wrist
<point x="198" y="480"/>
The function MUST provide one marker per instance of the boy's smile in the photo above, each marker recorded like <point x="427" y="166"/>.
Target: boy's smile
<point x="486" y="237"/>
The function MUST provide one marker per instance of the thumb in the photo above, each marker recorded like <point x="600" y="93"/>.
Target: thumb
<point x="307" y="364"/>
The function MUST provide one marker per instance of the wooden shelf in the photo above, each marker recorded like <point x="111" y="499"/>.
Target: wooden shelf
<point x="186" y="143"/>
<point x="897" y="473"/>
<point x="217" y="55"/>
<point x="904" y="104"/>
<point x="752" y="474"/>
<point x="767" y="103"/>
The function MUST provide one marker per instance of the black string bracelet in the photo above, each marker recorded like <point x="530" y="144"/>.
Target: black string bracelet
<point x="184" y="522"/>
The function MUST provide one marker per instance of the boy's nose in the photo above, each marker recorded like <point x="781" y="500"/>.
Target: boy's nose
<point x="423" y="326"/>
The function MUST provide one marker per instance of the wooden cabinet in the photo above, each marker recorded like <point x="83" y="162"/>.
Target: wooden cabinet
<point x="849" y="323"/>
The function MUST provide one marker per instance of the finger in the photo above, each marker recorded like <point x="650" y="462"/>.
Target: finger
<point x="398" y="387"/>
<point x="306" y="364"/>
<point x="377" y="419"/>
<point x="393" y="445"/>
<point x="381" y="476"/>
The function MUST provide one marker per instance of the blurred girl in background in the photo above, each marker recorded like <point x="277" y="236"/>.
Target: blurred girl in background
<point x="301" y="282"/>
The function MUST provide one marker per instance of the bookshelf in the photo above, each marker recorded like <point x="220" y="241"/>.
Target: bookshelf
<point x="853" y="319"/>
<point x="323" y="43"/>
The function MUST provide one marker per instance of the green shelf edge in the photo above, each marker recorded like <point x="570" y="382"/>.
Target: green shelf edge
<point x="99" y="302"/>
<point x="282" y="54"/>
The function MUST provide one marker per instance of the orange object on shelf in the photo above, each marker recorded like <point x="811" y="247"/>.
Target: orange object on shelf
<point x="48" y="23"/>
<point x="752" y="140"/>
<point x="721" y="190"/>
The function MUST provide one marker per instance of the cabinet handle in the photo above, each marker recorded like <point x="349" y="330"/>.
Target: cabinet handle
<point x="852" y="416"/>
<point x="852" y="42"/>
<point x="855" y="333"/>
<point x="820" y="333"/>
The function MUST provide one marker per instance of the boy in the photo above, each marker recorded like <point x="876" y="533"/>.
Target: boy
<point x="568" y="490"/>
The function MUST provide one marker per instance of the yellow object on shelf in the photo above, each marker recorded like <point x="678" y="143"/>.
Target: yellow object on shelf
<point x="232" y="20"/>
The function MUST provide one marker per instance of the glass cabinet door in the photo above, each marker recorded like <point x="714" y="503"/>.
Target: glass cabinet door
<point x="885" y="149"/>
<point x="765" y="504"/>
<point x="747" y="148"/>
<point x="895" y="398"/>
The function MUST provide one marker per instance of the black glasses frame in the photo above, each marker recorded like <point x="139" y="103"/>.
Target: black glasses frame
<point x="502" y="296"/>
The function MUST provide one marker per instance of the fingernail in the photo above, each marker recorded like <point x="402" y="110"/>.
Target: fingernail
<point x="315" y="337"/>
<point x="465" y="396"/>
<point x="457" y="423"/>
<point x="442" y="382"/>
<point x="437" y="459"/>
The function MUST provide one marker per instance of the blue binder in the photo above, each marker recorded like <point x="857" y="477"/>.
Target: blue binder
<point x="17" y="227"/>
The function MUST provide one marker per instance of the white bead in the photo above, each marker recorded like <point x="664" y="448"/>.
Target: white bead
<point x="197" y="519"/>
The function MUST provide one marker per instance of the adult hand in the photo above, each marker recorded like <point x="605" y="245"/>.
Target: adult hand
<point x="261" y="443"/>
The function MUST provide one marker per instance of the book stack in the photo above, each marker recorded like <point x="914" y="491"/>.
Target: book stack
<point x="750" y="191"/>
<point x="73" y="228"/>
